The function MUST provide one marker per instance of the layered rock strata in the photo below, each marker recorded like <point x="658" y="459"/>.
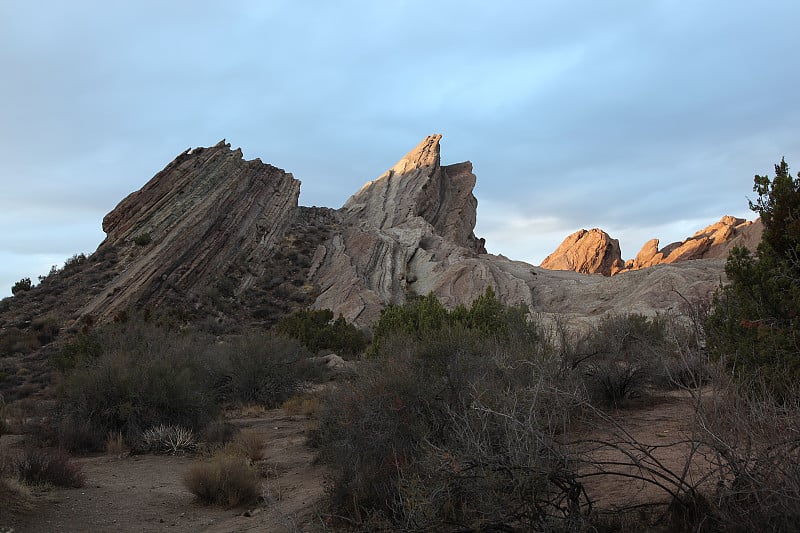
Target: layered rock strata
<point x="208" y="212"/>
<point x="214" y="223"/>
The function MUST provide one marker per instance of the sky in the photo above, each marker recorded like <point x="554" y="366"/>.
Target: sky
<point x="647" y="119"/>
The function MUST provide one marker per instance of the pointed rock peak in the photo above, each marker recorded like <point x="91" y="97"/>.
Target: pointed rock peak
<point x="426" y="154"/>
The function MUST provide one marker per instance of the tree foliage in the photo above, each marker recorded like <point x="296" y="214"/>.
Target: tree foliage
<point x="755" y="325"/>
<point x="317" y="330"/>
<point x="22" y="285"/>
<point x="422" y="315"/>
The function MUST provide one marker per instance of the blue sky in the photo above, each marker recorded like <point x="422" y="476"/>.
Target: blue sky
<point x="645" y="118"/>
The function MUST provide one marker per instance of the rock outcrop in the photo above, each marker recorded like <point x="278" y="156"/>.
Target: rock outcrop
<point x="587" y="252"/>
<point x="223" y="238"/>
<point x="713" y="242"/>
<point x="595" y="252"/>
<point x="206" y="214"/>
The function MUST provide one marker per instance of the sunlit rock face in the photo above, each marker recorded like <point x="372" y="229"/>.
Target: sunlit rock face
<point x="713" y="242"/>
<point x="587" y="252"/>
<point x="595" y="252"/>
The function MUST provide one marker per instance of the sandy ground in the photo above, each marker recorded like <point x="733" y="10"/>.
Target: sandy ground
<point x="145" y="492"/>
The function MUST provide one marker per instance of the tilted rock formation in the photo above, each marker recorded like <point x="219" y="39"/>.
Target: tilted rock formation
<point x="206" y="213"/>
<point x="713" y="242"/>
<point x="587" y="252"/>
<point x="227" y="241"/>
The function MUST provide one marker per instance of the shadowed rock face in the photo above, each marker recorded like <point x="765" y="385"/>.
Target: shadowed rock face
<point x="207" y="213"/>
<point x="212" y="216"/>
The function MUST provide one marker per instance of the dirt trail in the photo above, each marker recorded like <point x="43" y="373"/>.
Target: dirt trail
<point x="145" y="492"/>
<point x="656" y="436"/>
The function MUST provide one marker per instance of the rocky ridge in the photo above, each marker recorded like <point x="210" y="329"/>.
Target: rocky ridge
<point x="223" y="240"/>
<point x="595" y="252"/>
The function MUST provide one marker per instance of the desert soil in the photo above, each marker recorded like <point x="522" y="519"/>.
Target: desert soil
<point x="145" y="492"/>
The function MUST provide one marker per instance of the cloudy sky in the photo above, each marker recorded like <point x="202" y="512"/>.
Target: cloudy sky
<point x="645" y="118"/>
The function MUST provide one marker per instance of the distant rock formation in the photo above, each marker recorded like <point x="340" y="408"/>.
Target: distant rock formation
<point x="713" y="242"/>
<point x="587" y="252"/>
<point x="595" y="252"/>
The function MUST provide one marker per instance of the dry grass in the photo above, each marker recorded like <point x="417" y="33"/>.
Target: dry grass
<point x="15" y="499"/>
<point x="53" y="467"/>
<point x="250" y="444"/>
<point x="302" y="404"/>
<point x="223" y="479"/>
<point x="115" y="444"/>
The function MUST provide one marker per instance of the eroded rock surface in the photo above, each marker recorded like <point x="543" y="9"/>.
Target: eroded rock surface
<point x="713" y="242"/>
<point x="225" y="238"/>
<point x="208" y="213"/>
<point x="587" y="252"/>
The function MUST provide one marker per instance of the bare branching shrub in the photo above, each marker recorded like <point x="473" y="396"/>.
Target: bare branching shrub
<point x="755" y="448"/>
<point x="36" y="466"/>
<point x="170" y="439"/>
<point x="621" y="357"/>
<point x="457" y="430"/>
<point x="223" y="479"/>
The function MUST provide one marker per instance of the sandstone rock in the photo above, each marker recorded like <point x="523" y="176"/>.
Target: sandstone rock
<point x="213" y="217"/>
<point x="587" y="252"/>
<point x="713" y="242"/>
<point x="205" y="212"/>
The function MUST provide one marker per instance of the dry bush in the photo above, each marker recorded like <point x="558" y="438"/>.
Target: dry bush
<point x="250" y="444"/>
<point x="218" y="432"/>
<point x="621" y="357"/>
<point x="223" y="479"/>
<point x="115" y="444"/>
<point x="169" y="439"/>
<point x="15" y="500"/>
<point x="37" y="465"/>
<point x="755" y="448"/>
<point x="457" y="430"/>
<point x="302" y="404"/>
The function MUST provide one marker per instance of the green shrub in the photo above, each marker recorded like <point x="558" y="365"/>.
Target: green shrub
<point x="755" y="324"/>
<point x="143" y="239"/>
<point x="224" y="479"/>
<point x="144" y="376"/>
<point x="486" y="315"/>
<point x="23" y="285"/>
<point x="317" y="330"/>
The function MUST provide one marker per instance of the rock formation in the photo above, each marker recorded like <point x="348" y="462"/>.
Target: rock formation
<point x="587" y="252"/>
<point x="713" y="242"/>
<point x="222" y="238"/>
<point x="595" y="252"/>
<point x="207" y="213"/>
